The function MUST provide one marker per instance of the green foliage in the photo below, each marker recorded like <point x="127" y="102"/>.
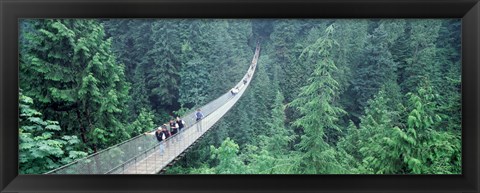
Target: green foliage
<point x="367" y="96"/>
<point x="41" y="149"/>
<point x="285" y="52"/>
<point x="170" y="62"/>
<point x="277" y="135"/>
<point x="375" y="137"/>
<point x="448" y="58"/>
<point x="351" y="36"/>
<point x="143" y="123"/>
<point x="227" y="157"/>
<point x="130" y="40"/>
<point x="162" y="62"/>
<point x="424" y="149"/>
<point x="376" y="67"/>
<point x="420" y="148"/>
<point x="194" y="84"/>
<point x="319" y="113"/>
<point x="351" y="141"/>
<point x="69" y="68"/>
<point x="257" y="102"/>
<point x="421" y="63"/>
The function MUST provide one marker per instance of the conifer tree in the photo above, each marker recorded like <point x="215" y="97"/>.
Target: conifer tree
<point x="423" y="148"/>
<point x="69" y="68"/>
<point x="139" y="92"/>
<point x="375" y="136"/>
<point x="261" y="91"/>
<point x="394" y="29"/>
<point x="319" y="113"/>
<point x="448" y="46"/>
<point x="421" y="64"/>
<point x="285" y="53"/>
<point x="272" y="156"/>
<point x="375" y="69"/>
<point x="276" y="132"/>
<point x="162" y="62"/>
<point x="352" y="37"/>
<point x="350" y="143"/>
<point x="130" y="43"/>
<point x="194" y="84"/>
<point x="401" y="52"/>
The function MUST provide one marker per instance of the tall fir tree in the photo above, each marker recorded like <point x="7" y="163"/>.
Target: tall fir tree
<point x="316" y="103"/>
<point x="421" y="63"/>
<point x="130" y="43"/>
<point x="352" y="37"/>
<point x="375" y="69"/>
<point x="162" y="62"/>
<point x="69" y="68"/>
<point x="375" y="136"/>
<point x="448" y="46"/>
<point x="194" y="84"/>
<point x="422" y="148"/>
<point x="277" y="134"/>
<point x="291" y="76"/>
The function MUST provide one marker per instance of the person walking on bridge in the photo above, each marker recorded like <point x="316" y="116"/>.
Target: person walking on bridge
<point x="161" y="135"/>
<point x="234" y="91"/>
<point x="167" y="134"/>
<point x="173" y="128"/>
<point x="181" y="124"/>
<point x="198" y="118"/>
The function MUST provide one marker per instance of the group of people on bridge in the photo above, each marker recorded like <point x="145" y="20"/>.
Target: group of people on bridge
<point x="234" y="91"/>
<point x="174" y="127"/>
<point x="177" y="125"/>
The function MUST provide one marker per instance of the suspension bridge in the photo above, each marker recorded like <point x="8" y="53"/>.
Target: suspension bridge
<point x="141" y="154"/>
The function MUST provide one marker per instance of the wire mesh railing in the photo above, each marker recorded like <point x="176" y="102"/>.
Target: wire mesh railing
<point x="137" y="155"/>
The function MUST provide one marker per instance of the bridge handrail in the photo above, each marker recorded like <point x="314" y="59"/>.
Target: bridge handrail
<point x="173" y="136"/>
<point x="150" y="148"/>
<point x="184" y="118"/>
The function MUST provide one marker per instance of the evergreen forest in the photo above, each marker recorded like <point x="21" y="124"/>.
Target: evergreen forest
<point x="329" y="96"/>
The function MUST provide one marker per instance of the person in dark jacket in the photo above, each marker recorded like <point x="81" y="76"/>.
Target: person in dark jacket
<point x="167" y="133"/>
<point x="198" y="117"/>
<point x="161" y="135"/>
<point x="173" y="127"/>
<point x="181" y="125"/>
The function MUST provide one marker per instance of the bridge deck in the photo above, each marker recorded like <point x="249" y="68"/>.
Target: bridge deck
<point x="141" y="154"/>
<point x="153" y="162"/>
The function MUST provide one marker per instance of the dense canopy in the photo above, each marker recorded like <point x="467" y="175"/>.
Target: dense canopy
<point x="330" y="96"/>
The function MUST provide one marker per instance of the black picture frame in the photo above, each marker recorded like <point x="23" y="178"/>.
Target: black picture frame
<point x="12" y="10"/>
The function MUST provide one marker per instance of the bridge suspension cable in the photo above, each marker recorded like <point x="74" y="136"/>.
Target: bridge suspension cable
<point x="141" y="154"/>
